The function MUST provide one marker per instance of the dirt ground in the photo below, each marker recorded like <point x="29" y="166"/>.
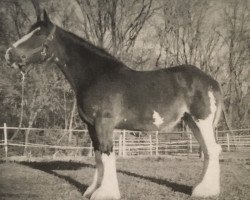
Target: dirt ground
<point x="139" y="178"/>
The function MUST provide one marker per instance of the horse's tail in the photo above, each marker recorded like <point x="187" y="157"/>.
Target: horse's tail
<point x="218" y="112"/>
<point x="220" y="106"/>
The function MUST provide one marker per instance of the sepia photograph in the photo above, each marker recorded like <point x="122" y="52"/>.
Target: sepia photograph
<point x="124" y="99"/>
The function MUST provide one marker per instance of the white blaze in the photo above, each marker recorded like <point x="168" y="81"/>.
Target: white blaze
<point x="158" y="119"/>
<point x="25" y="37"/>
<point x="7" y="54"/>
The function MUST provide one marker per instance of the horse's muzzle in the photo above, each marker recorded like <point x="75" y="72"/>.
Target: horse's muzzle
<point x="13" y="59"/>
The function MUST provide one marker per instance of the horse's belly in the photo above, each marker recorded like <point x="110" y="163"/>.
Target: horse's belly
<point x="151" y="117"/>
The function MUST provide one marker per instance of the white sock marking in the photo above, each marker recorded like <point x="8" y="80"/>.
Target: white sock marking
<point x="109" y="188"/>
<point x="109" y="176"/>
<point x="25" y="37"/>
<point x="158" y="119"/>
<point x="97" y="177"/>
<point x="210" y="184"/>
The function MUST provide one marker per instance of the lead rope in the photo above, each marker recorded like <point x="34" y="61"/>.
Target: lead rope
<point x="22" y="105"/>
<point x="22" y="99"/>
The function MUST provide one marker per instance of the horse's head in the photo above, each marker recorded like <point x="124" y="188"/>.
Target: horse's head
<point x="32" y="47"/>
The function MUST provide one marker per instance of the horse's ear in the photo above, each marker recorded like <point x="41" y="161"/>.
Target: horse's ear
<point x="38" y="18"/>
<point x="45" y="17"/>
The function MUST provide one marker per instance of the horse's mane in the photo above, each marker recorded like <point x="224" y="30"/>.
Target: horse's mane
<point x="82" y="42"/>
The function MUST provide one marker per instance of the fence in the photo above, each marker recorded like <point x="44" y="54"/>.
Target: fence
<point x="126" y="143"/>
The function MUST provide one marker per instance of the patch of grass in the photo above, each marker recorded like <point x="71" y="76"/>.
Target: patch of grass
<point x="18" y="182"/>
<point x="139" y="178"/>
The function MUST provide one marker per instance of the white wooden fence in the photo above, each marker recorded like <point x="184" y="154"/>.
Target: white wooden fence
<point x="126" y="143"/>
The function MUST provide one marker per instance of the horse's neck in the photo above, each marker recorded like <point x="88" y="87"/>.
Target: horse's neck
<point x="73" y="60"/>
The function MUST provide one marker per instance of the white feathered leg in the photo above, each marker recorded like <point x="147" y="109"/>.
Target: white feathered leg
<point x="210" y="182"/>
<point x="97" y="177"/>
<point x="109" y="188"/>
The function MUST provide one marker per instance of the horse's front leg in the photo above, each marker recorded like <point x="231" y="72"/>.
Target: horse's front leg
<point x="99" y="165"/>
<point x="109" y="188"/>
<point x="97" y="177"/>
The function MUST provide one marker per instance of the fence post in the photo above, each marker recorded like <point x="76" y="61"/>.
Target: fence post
<point x="5" y="140"/>
<point x="120" y="145"/>
<point x="91" y="149"/>
<point x="150" y="145"/>
<point x="228" y="143"/>
<point x="156" y="144"/>
<point x="124" y="143"/>
<point x="190" y="143"/>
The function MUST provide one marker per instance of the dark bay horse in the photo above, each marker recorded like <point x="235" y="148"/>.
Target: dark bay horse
<point x="111" y="95"/>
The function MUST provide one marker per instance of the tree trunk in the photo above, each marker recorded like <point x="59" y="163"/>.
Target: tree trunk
<point x="71" y="120"/>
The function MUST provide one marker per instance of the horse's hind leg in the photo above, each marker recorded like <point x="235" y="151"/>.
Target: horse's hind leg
<point x="203" y="130"/>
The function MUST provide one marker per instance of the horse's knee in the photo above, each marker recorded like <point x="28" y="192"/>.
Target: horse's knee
<point x="106" y="146"/>
<point x="105" y="139"/>
<point x="104" y="129"/>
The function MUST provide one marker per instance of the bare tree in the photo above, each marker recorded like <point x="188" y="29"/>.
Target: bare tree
<point x="235" y="35"/>
<point x="114" y="24"/>
<point x="182" y="37"/>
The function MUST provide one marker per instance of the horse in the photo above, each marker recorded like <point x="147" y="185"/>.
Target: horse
<point x="111" y="95"/>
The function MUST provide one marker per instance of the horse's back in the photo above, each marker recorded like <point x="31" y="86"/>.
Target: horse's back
<point x="169" y="83"/>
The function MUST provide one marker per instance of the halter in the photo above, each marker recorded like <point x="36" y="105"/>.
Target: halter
<point x="42" y="48"/>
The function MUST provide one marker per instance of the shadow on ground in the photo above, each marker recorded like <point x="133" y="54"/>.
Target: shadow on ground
<point x="49" y="167"/>
<point x="174" y="186"/>
<point x="17" y="196"/>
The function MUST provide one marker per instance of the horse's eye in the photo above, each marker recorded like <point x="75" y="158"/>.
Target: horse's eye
<point x="38" y="32"/>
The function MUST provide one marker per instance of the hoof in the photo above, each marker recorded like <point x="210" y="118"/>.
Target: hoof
<point x="105" y="194"/>
<point x="203" y="190"/>
<point x="90" y="190"/>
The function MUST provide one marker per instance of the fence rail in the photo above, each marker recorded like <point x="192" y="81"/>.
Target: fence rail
<point x="126" y="143"/>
